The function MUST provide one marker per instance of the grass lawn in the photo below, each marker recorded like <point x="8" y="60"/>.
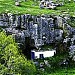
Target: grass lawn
<point x="70" y="71"/>
<point x="29" y="8"/>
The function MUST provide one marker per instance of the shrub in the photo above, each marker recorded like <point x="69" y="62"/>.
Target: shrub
<point x="11" y="62"/>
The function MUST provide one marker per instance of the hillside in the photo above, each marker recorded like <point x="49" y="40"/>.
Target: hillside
<point x="36" y="32"/>
<point x="31" y="7"/>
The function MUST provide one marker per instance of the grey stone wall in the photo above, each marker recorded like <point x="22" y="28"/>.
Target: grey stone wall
<point x="44" y="29"/>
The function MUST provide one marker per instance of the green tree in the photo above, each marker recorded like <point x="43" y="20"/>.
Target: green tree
<point x="11" y="61"/>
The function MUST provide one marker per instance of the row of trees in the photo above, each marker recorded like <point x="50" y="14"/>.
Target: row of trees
<point x="11" y="61"/>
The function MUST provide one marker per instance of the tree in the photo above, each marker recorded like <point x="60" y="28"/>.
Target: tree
<point x="11" y="61"/>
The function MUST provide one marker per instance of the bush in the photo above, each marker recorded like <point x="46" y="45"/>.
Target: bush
<point x="11" y="62"/>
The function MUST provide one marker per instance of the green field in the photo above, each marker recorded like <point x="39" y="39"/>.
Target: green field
<point x="30" y="7"/>
<point x="70" y="71"/>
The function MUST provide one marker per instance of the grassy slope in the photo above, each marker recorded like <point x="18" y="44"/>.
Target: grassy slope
<point x="28" y="7"/>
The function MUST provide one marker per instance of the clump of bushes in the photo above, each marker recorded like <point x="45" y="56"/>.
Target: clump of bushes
<point x="11" y="61"/>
